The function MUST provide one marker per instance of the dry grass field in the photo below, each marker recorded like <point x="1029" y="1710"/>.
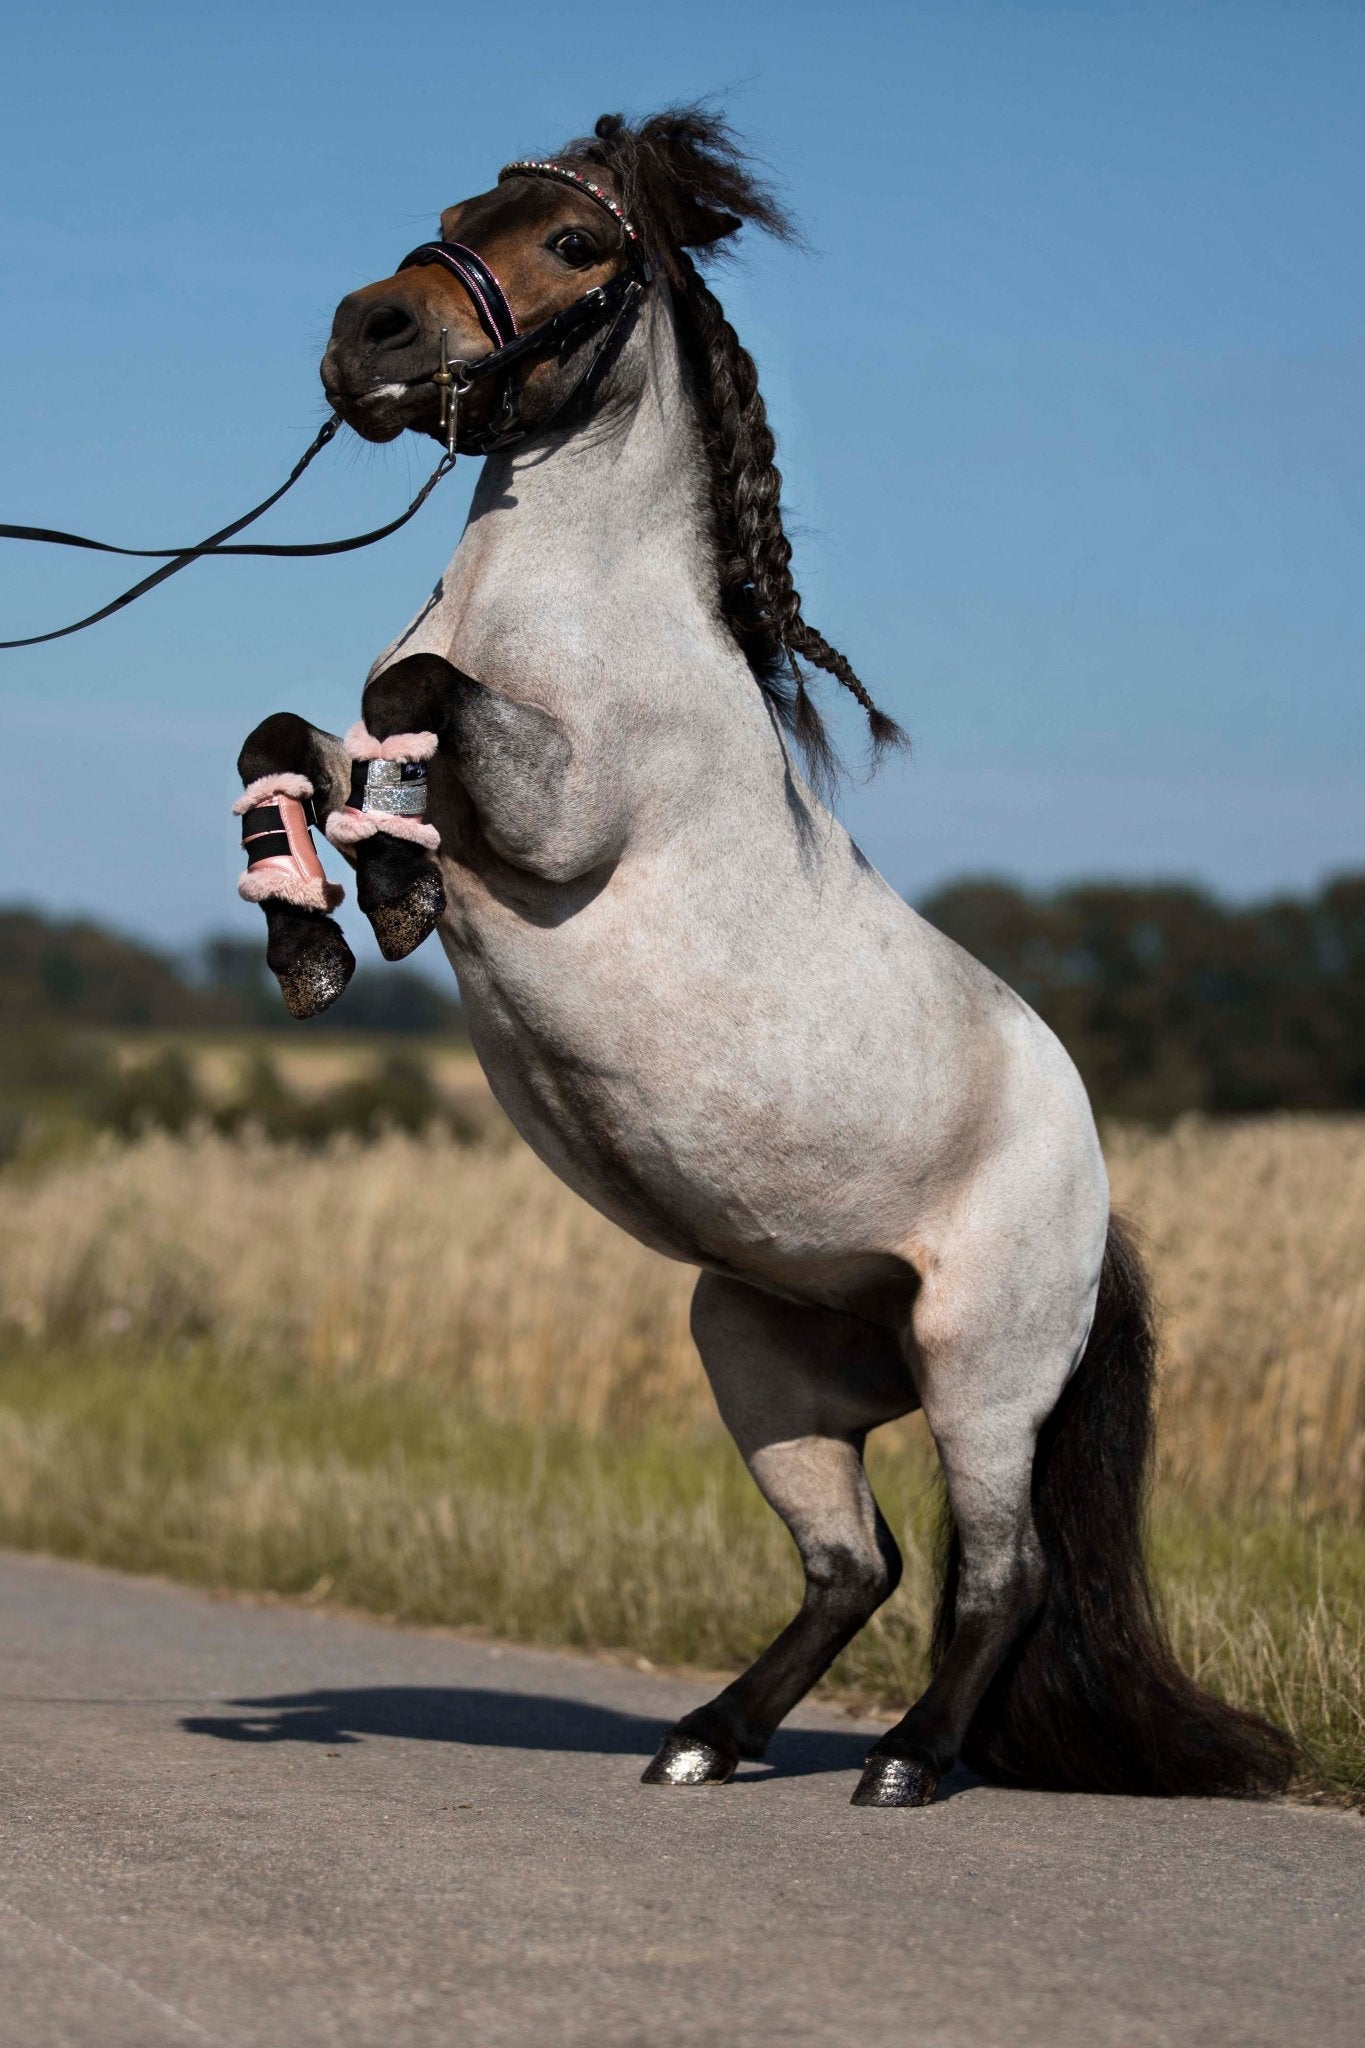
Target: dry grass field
<point x="425" y="1379"/>
<point x="472" y="1271"/>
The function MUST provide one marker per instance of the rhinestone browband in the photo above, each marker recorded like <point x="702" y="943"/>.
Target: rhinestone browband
<point x="545" y="167"/>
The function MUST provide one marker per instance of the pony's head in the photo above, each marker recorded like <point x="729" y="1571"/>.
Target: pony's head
<point x="658" y="199"/>
<point x="507" y="262"/>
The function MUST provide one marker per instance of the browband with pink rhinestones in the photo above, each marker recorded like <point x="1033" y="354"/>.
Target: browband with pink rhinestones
<point x="544" y="167"/>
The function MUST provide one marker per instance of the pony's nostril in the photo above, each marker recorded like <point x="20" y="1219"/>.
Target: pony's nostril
<point x="391" y="325"/>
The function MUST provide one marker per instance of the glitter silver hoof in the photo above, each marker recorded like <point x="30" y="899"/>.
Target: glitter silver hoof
<point x="687" y="1760"/>
<point x="399" y="889"/>
<point x="895" y="1781"/>
<point x="309" y="958"/>
<point x="401" y="927"/>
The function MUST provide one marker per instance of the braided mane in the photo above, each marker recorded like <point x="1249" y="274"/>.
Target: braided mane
<point x="686" y="184"/>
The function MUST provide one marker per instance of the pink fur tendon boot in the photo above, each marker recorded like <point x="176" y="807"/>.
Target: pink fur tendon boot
<point x="384" y="826"/>
<point x="306" y="950"/>
<point x="282" y="863"/>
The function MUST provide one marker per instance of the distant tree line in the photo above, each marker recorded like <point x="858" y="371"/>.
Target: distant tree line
<point x="75" y="998"/>
<point x="75" y="973"/>
<point x="57" y="1088"/>
<point x="1169" y="1000"/>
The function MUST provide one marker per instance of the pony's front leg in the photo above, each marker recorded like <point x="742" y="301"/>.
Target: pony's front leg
<point x="514" y="792"/>
<point x="382" y="825"/>
<point x="294" y="776"/>
<point x="797" y="1388"/>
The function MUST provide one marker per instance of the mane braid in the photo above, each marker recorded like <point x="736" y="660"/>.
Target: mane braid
<point x="758" y="596"/>
<point x="685" y="182"/>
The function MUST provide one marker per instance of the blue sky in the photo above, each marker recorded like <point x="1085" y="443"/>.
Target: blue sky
<point x="1069" y="384"/>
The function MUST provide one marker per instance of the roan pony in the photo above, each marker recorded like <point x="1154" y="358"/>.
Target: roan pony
<point x="705" y="1010"/>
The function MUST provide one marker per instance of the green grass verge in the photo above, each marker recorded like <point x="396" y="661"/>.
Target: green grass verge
<point x="387" y="1499"/>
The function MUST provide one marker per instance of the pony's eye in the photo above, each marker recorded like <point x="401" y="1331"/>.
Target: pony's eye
<point x="576" y="249"/>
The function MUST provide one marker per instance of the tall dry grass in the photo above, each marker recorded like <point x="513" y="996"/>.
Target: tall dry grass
<point x="473" y="1270"/>
<point x="407" y="1259"/>
<point x="427" y="1380"/>
<point x="1255" y="1233"/>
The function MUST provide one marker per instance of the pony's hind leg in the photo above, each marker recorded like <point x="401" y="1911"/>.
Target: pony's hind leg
<point x="988" y="1381"/>
<point x="1054" y="1669"/>
<point x="797" y="1388"/>
<point x="987" y="1461"/>
<point x="293" y="774"/>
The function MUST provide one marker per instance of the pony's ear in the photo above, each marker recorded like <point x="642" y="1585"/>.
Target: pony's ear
<point x="703" y="225"/>
<point x="684" y="176"/>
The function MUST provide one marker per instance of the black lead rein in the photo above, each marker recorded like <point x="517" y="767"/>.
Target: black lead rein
<point x="176" y="559"/>
<point x="611" y="305"/>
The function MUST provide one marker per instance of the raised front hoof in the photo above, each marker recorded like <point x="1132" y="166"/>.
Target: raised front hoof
<point x="400" y="927"/>
<point x="308" y="955"/>
<point x="687" y="1760"/>
<point x="895" y="1781"/>
<point x="400" y="892"/>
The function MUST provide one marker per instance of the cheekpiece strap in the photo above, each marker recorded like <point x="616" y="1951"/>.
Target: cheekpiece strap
<point x="390" y="789"/>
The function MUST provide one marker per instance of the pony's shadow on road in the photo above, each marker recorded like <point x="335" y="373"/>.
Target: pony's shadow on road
<point x="488" y="1719"/>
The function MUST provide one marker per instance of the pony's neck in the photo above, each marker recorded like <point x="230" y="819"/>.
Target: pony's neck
<point x="637" y="468"/>
<point x="587" y="554"/>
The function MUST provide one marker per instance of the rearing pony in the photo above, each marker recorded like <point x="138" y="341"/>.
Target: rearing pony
<point x="703" y="1007"/>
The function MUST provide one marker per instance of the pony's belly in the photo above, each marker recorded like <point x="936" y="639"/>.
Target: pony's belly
<point x="814" y="1131"/>
<point x="735" y="1178"/>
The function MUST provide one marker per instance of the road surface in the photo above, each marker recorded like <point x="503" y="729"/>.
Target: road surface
<point x="274" y="1828"/>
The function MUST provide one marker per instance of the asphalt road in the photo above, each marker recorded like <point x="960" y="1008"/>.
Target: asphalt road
<point x="223" y="1823"/>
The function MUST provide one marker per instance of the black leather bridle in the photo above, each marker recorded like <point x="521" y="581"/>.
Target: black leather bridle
<point x="607" y="308"/>
<point x="604" y="308"/>
<point x="610" y="307"/>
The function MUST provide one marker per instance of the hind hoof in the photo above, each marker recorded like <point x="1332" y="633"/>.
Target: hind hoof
<point x="309" y="958"/>
<point x="687" y="1760"/>
<point x="895" y="1781"/>
<point x="401" y="927"/>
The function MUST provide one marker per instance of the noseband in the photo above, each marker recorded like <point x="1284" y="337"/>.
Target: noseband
<point x="610" y="306"/>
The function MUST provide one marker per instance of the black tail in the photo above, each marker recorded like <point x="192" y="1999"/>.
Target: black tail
<point x="1092" y="1699"/>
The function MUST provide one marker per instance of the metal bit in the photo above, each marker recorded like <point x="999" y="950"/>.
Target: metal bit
<point x="444" y="380"/>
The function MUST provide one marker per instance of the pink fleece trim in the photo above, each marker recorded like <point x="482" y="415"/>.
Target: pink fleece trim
<point x="348" y="828"/>
<point x="361" y="745"/>
<point x="284" y="884"/>
<point x="271" y="785"/>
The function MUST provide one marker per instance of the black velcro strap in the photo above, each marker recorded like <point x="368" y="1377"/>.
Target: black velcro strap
<point x="266" y="818"/>
<point x="266" y="846"/>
